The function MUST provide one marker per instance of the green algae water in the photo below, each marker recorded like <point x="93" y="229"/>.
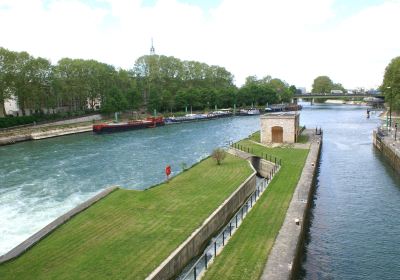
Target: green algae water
<point x="40" y="180"/>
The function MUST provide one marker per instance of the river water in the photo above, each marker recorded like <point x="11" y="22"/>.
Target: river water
<point x="354" y="229"/>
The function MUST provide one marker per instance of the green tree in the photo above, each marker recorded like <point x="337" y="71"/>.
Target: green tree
<point x="322" y="84"/>
<point x="391" y="83"/>
<point x="114" y="101"/>
<point x="7" y="61"/>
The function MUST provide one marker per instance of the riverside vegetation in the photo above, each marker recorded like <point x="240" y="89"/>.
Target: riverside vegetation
<point x="155" y="82"/>
<point x="129" y="233"/>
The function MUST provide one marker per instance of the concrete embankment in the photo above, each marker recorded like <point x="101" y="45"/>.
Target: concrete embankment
<point x="388" y="147"/>
<point x="285" y="254"/>
<point x="7" y="140"/>
<point x="54" y="129"/>
<point x="35" y="238"/>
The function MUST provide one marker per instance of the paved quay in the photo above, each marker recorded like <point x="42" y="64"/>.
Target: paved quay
<point x="284" y="256"/>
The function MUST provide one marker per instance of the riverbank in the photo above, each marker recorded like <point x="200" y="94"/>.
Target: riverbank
<point x="131" y="232"/>
<point x="385" y="142"/>
<point x="12" y="136"/>
<point x="247" y="252"/>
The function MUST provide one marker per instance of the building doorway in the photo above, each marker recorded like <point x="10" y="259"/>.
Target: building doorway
<point x="277" y="134"/>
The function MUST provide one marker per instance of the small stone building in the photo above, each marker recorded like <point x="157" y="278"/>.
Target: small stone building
<point x="282" y="127"/>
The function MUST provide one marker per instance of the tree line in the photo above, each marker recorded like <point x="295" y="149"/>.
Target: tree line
<point x="156" y="82"/>
<point x="391" y="84"/>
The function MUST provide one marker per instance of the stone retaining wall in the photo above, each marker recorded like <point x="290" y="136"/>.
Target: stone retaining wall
<point x="60" y="132"/>
<point x="285" y="255"/>
<point x="78" y="120"/>
<point x="21" y="248"/>
<point x="384" y="146"/>
<point x="196" y="242"/>
<point x="44" y="134"/>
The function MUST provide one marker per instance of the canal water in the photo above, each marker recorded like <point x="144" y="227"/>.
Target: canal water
<point x="354" y="228"/>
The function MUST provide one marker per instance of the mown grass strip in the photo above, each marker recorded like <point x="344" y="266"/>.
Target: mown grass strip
<point x="129" y="233"/>
<point x="246" y="254"/>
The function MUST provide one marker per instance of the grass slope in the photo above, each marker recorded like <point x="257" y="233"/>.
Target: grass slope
<point x="129" y="233"/>
<point x="246" y="253"/>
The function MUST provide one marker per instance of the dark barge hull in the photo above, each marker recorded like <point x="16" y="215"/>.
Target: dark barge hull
<point x="111" y="128"/>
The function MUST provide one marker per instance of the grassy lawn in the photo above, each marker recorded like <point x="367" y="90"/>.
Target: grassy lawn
<point x="303" y="138"/>
<point x="256" y="137"/>
<point x="129" y="233"/>
<point x="246" y="253"/>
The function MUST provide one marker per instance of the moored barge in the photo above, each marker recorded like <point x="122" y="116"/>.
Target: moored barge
<point x="131" y="125"/>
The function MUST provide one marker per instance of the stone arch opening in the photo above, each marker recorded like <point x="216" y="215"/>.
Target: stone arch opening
<point x="277" y="134"/>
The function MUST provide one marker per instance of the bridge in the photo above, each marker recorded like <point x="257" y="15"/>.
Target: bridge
<point x="337" y="95"/>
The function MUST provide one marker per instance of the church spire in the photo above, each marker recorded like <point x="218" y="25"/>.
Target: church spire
<point x="152" y="50"/>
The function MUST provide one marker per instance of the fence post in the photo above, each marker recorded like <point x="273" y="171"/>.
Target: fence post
<point x="236" y="221"/>
<point x="205" y="260"/>
<point x="215" y="248"/>
<point x="195" y="273"/>
<point x="242" y="213"/>
<point x="223" y="238"/>
<point x="230" y="228"/>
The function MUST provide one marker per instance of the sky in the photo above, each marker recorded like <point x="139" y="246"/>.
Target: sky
<point x="351" y="41"/>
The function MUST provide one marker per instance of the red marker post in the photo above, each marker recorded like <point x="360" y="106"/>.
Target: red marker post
<point x="168" y="171"/>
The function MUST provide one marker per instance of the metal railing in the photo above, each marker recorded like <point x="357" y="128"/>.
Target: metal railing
<point x="250" y="150"/>
<point x="218" y="243"/>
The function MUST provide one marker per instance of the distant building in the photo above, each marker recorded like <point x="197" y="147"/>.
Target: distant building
<point x="280" y="127"/>
<point x="336" y="91"/>
<point x="11" y="106"/>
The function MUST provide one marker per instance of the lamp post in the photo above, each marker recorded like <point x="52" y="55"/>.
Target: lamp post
<point x="390" y="107"/>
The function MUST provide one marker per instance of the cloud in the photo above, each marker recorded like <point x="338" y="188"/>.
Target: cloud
<point x="289" y="39"/>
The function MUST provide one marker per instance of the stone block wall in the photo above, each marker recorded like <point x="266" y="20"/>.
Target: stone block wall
<point x="289" y="129"/>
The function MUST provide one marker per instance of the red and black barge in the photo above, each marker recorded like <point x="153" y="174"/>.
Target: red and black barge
<point x="150" y="122"/>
